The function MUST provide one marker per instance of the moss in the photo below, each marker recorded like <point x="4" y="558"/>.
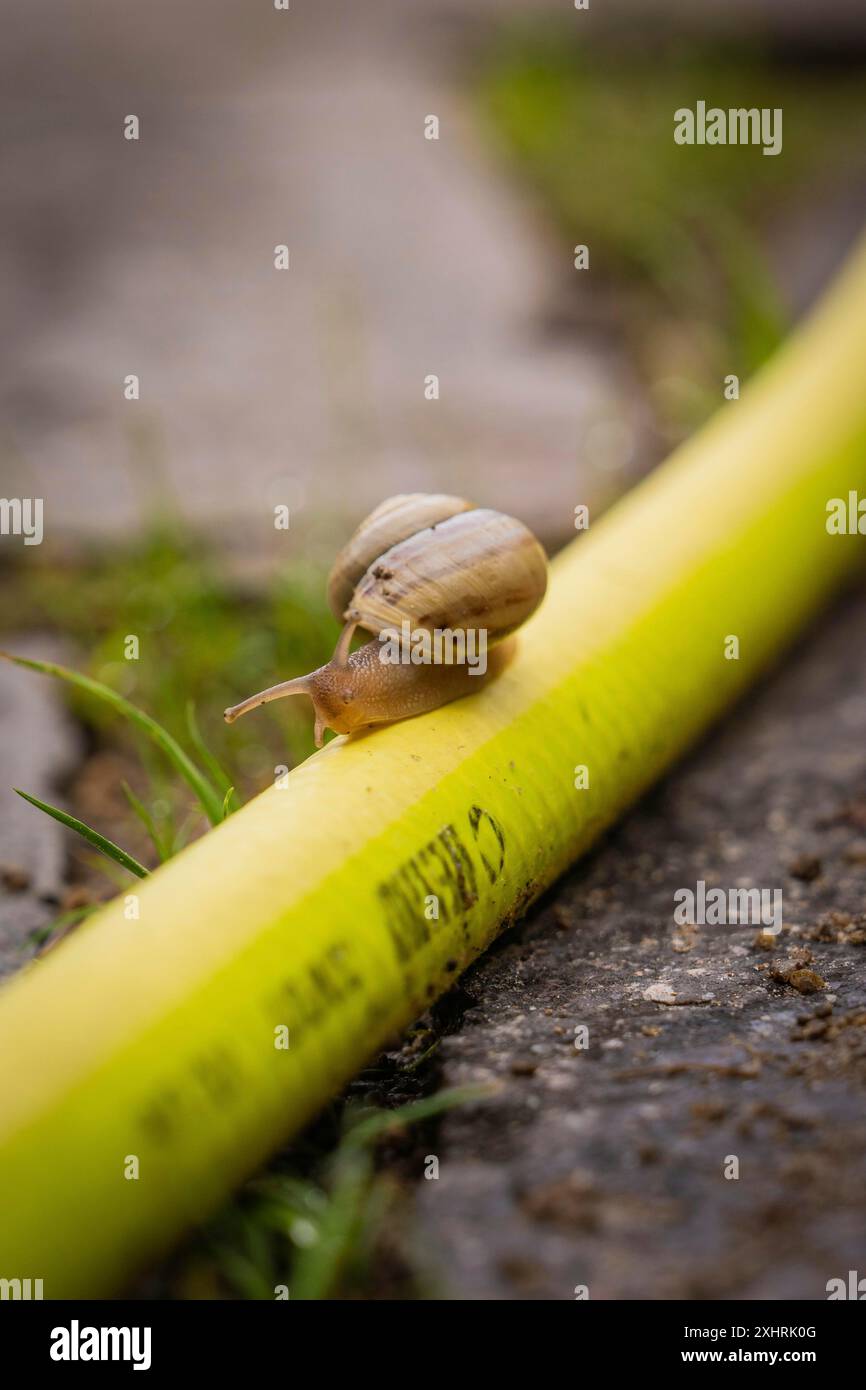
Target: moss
<point x="200" y="639"/>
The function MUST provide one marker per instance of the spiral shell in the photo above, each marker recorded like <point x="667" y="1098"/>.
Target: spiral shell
<point x="436" y="561"/>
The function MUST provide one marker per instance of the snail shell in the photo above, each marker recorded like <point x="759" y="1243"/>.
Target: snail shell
<point x="425" y="562"/>
<point x="394" y="520"/>
<point x="438" y="562"/>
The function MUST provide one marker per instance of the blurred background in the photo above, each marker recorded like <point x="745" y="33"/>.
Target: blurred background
<point x="306" y="388"/>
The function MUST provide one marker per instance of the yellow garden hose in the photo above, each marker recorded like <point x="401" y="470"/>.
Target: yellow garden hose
<point x="314" y="909"/>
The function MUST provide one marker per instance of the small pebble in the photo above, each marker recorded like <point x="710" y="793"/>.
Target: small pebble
<point x="14" y="878"/>
<point x="812" y="1028"/>
<point x="796" y="974"/>
<point x="806" y="981"/>
<point x="806" y="867"/>
<point x="75" y="897"/>
<point x="524" y="1066"/>
<point x="764" y="941"/>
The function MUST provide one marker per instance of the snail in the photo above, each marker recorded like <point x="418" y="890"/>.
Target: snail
<point x="437" y="581"/>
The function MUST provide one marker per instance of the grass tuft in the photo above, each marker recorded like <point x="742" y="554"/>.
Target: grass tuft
<point x="209" y="798"/>
<point x="93" y="837"/>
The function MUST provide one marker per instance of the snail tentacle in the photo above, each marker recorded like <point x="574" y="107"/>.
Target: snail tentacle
<point x="299" y="686"/>
<point x="341" y="651"/>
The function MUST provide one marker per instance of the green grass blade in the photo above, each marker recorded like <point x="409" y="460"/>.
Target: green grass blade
<point x="100" y="864"/>
<point x="213" y="765"/>
<point x="93" y="837"/>
<point x="228" y="796"/>
<point x="344" y="1223"/>
<point x="149" y="823"/>
<point x="317" y="1268"/>
<point x="210" y="799"/>
<point x="368" y="1126"/>
<point x="40" y="936"/>
<point x="181" y="835"/>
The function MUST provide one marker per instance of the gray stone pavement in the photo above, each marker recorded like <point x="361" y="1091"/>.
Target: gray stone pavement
<point x="39" y="746"/>
<point x="408" y="258"/>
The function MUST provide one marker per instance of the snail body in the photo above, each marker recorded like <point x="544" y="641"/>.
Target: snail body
<point x="438" y="581"/>
<point x="364" y="691"/>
